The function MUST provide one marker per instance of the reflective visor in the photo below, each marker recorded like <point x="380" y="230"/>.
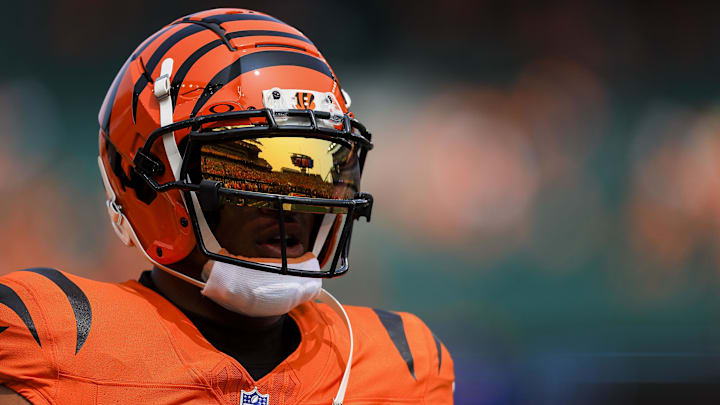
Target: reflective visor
<point x="290" y="166"/>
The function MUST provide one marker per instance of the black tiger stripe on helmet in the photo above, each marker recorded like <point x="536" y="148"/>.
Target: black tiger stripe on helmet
<point x="110" y="100"/>
<point x="160" y="51"/>
<point x="213" y="21"/>
<point x="256" y="61"/>
<point x="188" y="63"/>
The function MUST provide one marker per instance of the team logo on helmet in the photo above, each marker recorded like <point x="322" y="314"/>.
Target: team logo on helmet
<point x="305" y="101"/>
<point x="254" y="398"/>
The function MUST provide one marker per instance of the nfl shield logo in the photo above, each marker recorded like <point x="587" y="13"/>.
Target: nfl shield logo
<point x="254" y="398"/>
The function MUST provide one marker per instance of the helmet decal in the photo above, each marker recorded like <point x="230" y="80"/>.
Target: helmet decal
<point x="305" y="101"/>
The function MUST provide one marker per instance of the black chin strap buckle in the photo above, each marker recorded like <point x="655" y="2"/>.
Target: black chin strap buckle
<point x="147" y="164"/>
<point x="208" y="195"/>
<point x="364" y="210"/>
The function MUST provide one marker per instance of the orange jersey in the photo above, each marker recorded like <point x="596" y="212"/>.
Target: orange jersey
<point x="70" y="340"/>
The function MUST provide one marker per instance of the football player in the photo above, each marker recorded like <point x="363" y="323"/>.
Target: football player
<point x="231" y="160"/>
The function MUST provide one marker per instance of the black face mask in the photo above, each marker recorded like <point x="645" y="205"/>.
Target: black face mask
<point x="293" y="189"/>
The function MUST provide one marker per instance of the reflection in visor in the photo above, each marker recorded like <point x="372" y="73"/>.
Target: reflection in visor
<point x="291" y="166"/>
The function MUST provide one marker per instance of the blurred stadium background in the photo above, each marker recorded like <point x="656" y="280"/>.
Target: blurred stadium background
<point x="547" y="177"/>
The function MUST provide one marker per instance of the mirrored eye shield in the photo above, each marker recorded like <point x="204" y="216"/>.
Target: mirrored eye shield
<point x="149" y="166"/>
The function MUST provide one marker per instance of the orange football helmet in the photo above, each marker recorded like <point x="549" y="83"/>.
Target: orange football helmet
<point x="230" y="106"/>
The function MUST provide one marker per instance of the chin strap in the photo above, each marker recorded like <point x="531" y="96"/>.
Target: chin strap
<point x="208" y="238"/>
<point x="161" y="89"/>
<point x="162" y="93"/>
<point x="325" y="226"/>
<point x="326" y="298"/>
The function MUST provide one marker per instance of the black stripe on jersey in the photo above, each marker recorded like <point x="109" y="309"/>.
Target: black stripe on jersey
<point x="10" y="299"/>
<point x="78" y="301"/>
<point x="259" y="60"/>
<point x="183" y="70"/>
<point x="393" y="323"/>
<point x="438" y="345"/>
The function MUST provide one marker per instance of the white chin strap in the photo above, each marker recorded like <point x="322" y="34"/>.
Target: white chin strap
<point x="161" y="89"/>
<point x="323" y="232"/>
<point x="126" y="233"/>
<point x="162" y="93"/>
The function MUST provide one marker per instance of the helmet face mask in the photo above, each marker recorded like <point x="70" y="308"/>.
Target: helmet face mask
<point x="298" y="160"/>
<point x="240" y="166"/>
